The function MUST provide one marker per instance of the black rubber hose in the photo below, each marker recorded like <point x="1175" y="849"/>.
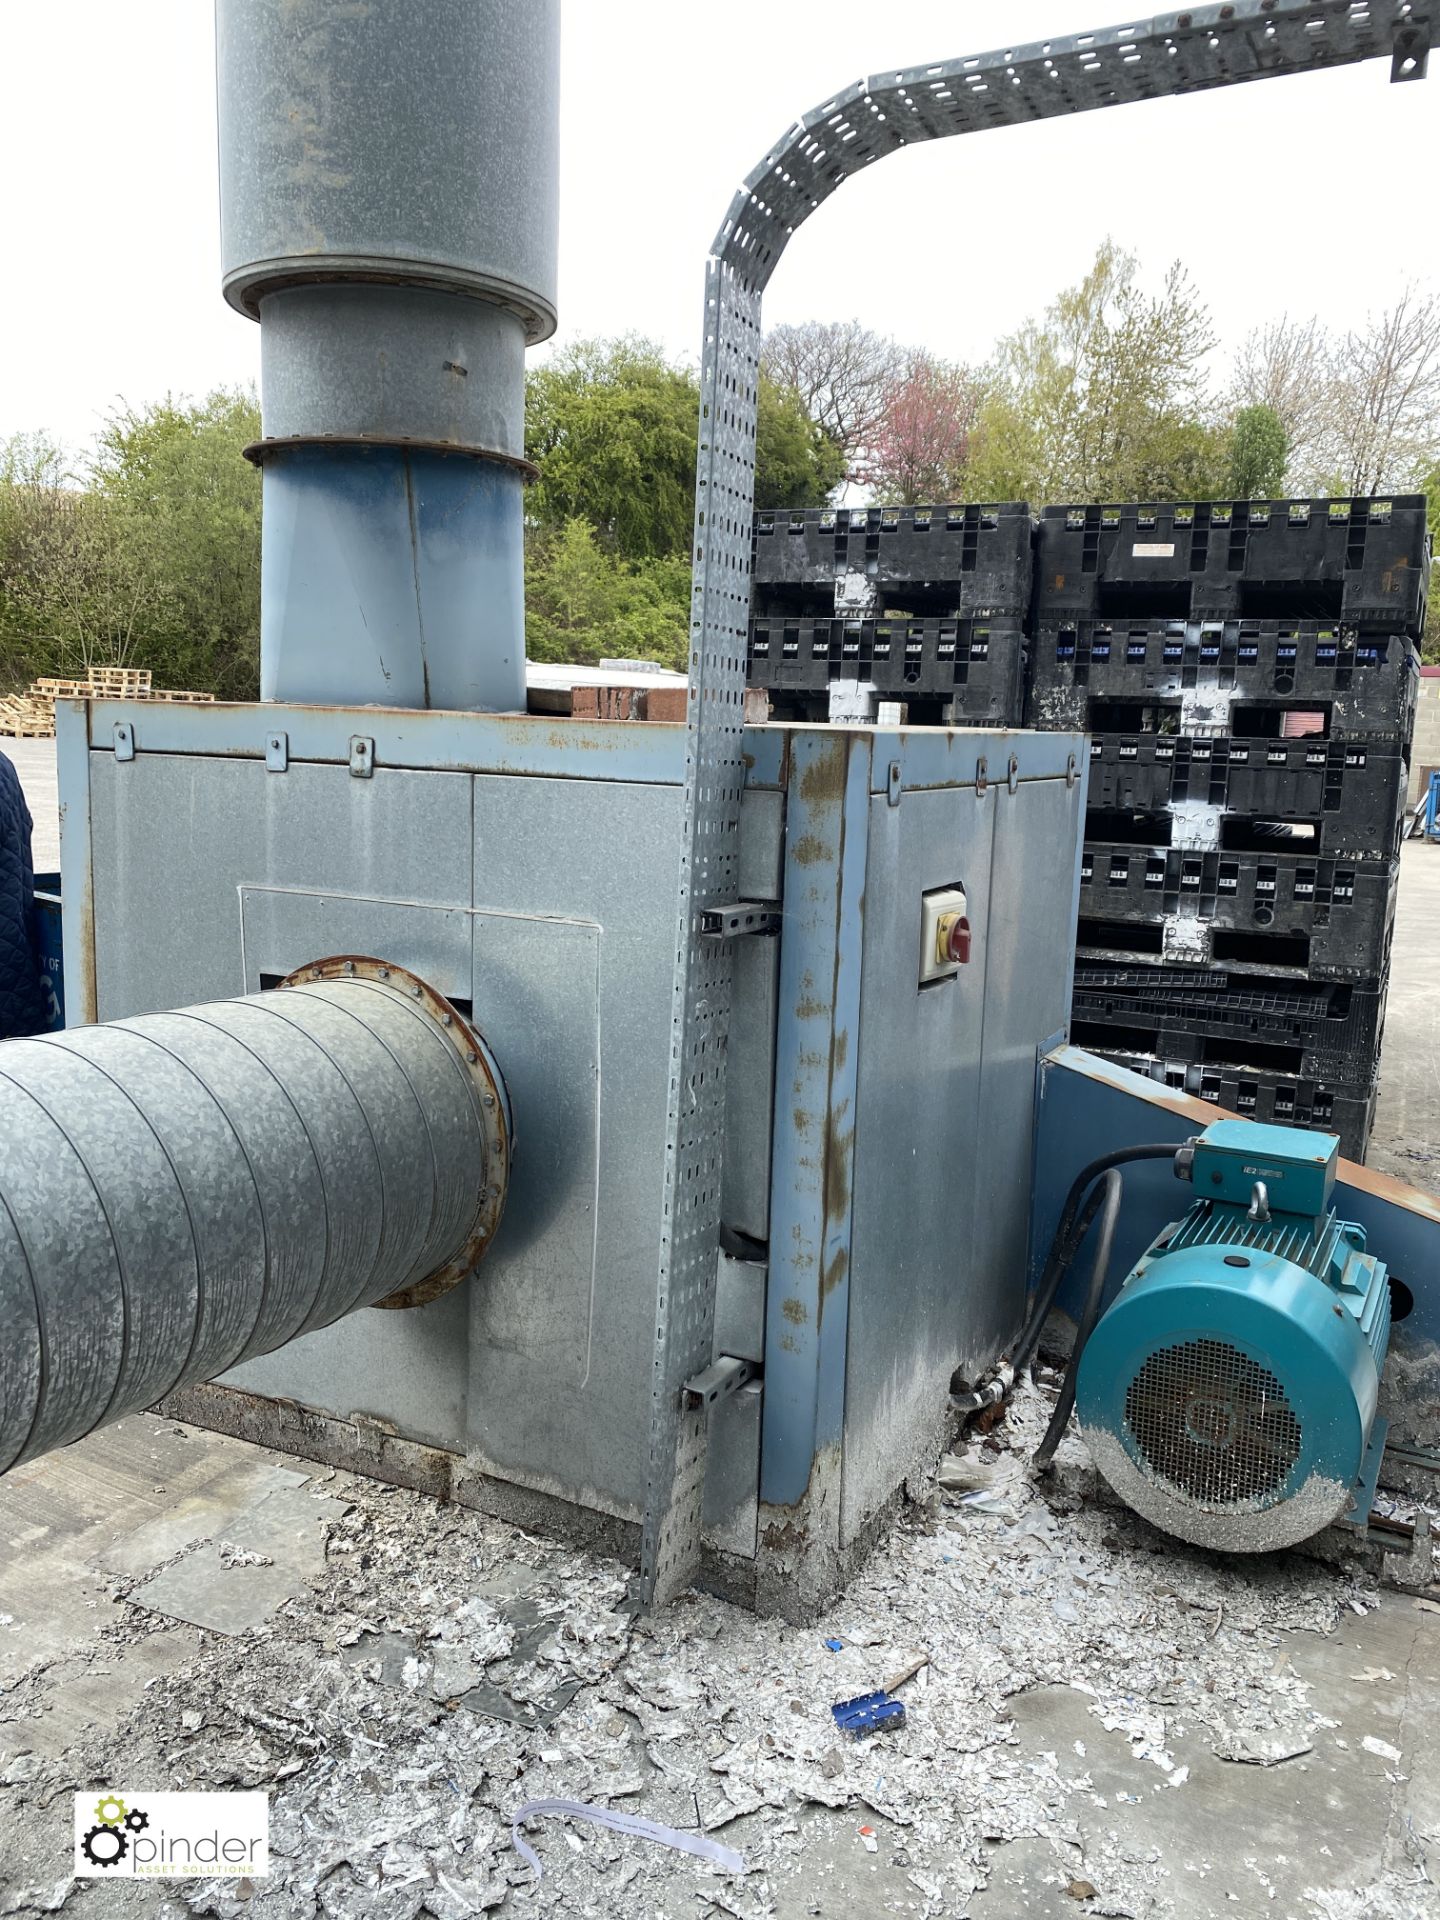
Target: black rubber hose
<point x="1061" y="1254"/>
<point x="1108" y="1194"/>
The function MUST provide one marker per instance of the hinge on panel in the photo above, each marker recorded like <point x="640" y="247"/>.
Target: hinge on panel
<point x="893" y="784"/>
<point x="719" y="1380"/>
<point x="745" y="916"/>
<point x="362" y="756"/>
<point x="124" y="740"/>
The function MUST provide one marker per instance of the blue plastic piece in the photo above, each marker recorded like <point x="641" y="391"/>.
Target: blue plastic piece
<point x="835" y="1645"/>
<point x="868" y="1713"/>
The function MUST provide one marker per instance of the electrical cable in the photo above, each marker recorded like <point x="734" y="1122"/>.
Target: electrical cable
<point x="1105" y="1200"/>
<point x="1058" y="1258"/>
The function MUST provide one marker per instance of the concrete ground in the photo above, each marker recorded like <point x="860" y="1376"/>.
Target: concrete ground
<point x="1406" y="1137"/>
<point x="1111" y="1724"/>
<point x="35" y="763"/>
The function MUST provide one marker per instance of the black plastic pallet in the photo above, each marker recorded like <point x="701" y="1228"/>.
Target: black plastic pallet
<point x="1340" y="796"/>
<point x="977" y="663"/>
<point x="1360" y="562"/>
<point x="972" y="561"/>
<point x="1278" y="1099"/>
<point x="1278" y="913"/>
<point x="1236" y="1028"/>
<point x="1333" y="1017"/>
<point x="1237" y="676"/>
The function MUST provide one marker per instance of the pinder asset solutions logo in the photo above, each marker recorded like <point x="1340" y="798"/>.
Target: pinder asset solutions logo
<point x="172" y="1836"/>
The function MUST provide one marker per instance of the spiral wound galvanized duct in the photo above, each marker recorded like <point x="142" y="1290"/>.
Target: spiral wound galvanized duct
<point x="182" y="1191"/>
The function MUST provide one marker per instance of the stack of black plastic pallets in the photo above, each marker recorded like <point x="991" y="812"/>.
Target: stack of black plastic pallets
<point x="1248" y="675"/>
<point x="921" y="605"/>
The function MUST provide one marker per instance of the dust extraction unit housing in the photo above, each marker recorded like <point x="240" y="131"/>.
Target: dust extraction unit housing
<point x="765" y="1004"/>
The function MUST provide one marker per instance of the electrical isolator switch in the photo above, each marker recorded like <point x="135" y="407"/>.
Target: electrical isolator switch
<point x="944" y="934"/>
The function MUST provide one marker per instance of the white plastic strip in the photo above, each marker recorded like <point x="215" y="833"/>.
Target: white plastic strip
<point x="695" y="1843"/>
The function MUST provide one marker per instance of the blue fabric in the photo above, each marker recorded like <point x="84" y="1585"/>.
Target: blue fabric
<point x="21" y="1007"/>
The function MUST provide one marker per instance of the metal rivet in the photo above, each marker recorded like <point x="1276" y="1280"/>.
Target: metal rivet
<point x="349" y="966"/>
<point x="472" y="1058"/>
<point x="447" y="1019"/>
<point x="384" y="973"/>
<point x="489" y="1098"/>
<point x="415" y="993"/>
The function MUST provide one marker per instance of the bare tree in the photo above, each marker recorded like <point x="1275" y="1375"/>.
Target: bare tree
<point x="841" y="371"/>
<point x="1282" y="366"/>
<point x="1383" y="397"/>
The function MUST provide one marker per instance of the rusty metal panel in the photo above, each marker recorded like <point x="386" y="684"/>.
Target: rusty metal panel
<point x="817" y="1050"/>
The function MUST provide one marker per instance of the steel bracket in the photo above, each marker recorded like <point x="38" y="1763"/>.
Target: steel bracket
<point x="721" y="1379"/>
<point x="362" y="756"/>
<point x="894" y="785"/>
<point x="744" y="916"/>
<point x="124" y="740"/>
<point x="277" y="752"/>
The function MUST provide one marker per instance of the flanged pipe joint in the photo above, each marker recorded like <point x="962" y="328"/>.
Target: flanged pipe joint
<point x="183" y="1191"/>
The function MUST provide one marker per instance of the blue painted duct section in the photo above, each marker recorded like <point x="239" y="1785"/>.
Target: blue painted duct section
<point x="395" y="572"/>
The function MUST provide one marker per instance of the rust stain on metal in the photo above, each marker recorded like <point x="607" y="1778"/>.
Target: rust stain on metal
<point x="822" y="781"/>
<point x="1384" y="1186"/>
<point x="811" y="851"/>
<point x="795" y="1311"/>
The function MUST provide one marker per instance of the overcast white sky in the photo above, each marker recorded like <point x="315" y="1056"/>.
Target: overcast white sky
<point x="1317" y="193"/>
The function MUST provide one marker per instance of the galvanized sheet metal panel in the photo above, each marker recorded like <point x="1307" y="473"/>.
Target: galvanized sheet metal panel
<point x="167" y="930"/>
<point x="922" y="1271"/>
<point x="573" y="976"/>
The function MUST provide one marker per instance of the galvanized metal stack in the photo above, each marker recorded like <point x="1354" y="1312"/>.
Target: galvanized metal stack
<point x="1247" y="672"/>
<point x="920" y="605"/>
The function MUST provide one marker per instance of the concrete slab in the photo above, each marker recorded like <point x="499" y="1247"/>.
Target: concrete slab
<point x="1406" y="1139"/>
<point x="35" y="763"/>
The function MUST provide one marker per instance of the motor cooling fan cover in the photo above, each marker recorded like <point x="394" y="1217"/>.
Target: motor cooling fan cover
<point x="1228" y="1399"/>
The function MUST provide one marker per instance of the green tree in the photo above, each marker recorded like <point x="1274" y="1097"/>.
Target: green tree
<point x="797" y="464"/>
<point x="189" y="506"/>
<point x="1430" y="645"/>
<point x="1259" y="452"/>
<point x="583" y="603"/>
<point x="1104" y="397"/>
<point x="612" y="426"/>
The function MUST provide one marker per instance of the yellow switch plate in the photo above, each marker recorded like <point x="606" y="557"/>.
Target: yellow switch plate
<point x="933" y="907"/>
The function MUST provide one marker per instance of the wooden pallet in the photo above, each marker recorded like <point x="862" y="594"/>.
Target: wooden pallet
<point x="123" y="683"/>
<point x="24" y="718"/>
<point x="188" y="699"/>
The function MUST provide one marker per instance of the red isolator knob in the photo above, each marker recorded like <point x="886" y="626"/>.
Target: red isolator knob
<point x="957" y="939"/>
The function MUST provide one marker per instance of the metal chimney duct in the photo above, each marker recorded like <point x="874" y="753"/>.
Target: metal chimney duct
<point x="388" y="207"/>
